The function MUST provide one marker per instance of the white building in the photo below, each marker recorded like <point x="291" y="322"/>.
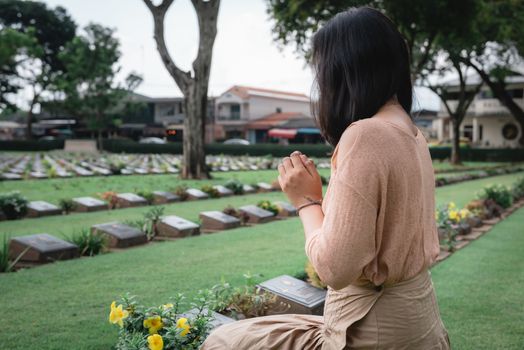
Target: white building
<point x="237" y="107"/>
<point x="488" y="123"/>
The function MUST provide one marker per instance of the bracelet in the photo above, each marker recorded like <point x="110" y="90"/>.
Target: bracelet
<point x="307" y="205"/>
<point x="310" y="202"/>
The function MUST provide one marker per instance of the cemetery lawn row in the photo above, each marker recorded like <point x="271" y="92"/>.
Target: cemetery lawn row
<point x="443" y="166"/>
<point x="65" y="226"/>
<point x="52" y="190"/>
<point x="54" y="306"/>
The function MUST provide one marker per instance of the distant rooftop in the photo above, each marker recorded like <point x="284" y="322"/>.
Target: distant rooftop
<point x="245" y="92"/>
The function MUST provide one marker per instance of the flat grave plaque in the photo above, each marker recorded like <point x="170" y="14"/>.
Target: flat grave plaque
<point x="174" y="226"/>
<point x="286" y="210"/>
<point x="249" y="189"/>
<point x="217" y="319"/>
<point x="223" y="191"/>
<point x="216" y="221"/>
<point x="41" y="248"/>
<point x="11" y="176"/>
<point x="299" y="296"/>
<point x="265" y="187"/>
<point x="194" y="193"/>
<point x="86" y="204"/>
<point x="257" y="215"/>
<point x="120" y="235"/>
<point x="128" y="200"/>
<point x="37" y="209"/>
<point x="163" y="197"/>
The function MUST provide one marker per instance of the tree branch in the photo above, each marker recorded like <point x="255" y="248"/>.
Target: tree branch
<point x="182" y="78"/>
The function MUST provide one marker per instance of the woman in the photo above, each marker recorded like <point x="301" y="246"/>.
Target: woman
<point x="374" y="236"/>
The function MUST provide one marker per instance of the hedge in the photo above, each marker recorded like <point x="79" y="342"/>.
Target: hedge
<point x="318" y="150"/>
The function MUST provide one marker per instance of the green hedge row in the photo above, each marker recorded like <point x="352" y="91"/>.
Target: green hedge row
<point x="35" y="145"/>
<point x="125" y="146"/>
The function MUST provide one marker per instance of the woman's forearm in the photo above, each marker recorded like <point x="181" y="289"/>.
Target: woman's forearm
<point x="312" y="218"/>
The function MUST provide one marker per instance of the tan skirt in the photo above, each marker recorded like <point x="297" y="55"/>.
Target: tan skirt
<point x="402" y="316"/>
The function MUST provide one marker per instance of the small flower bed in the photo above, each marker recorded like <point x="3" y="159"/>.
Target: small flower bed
<point x="450" y="222"/>
<point x="498" y="193"/>
<point x="211" y="191"/>
<point x="269" y="206"/>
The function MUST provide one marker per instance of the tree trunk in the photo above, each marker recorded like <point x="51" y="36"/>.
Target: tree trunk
<point x="455" y="143"/>
<point x="29" y="122"/>
<point x="194" y="165"/>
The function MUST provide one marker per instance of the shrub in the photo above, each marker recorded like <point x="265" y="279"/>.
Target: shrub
<point x="180" y="191"/>
<point x="162" y="324"/>
<point x="448" y="219"/>
<point x="242" y="216"/>
<point x="236" y="186"/>
<point x="498" y="193"/>
<point x="148" y="195"/>
<point x="13" y="205"/>
<point x="313" y="277"/>
<point x="269" y="206"/>
<point x="211" y="191"/>
<point x="151" y="218"/>
<point x="111" y="198"/>
<point x="67" y="205"/>
<point x="518" y="188"/>
<point x="89" y="243"/>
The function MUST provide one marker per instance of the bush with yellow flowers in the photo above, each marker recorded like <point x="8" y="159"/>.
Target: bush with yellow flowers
<point x="449" y="219"/>
<point x="160" y="328"/>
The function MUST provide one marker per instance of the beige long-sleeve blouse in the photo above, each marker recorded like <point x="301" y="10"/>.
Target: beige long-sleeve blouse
<point x="379" y="208"/>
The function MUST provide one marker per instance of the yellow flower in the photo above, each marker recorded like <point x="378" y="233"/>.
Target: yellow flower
<point x="154" y="324"/>
<point x="451" y="205"/>
<point x="453" y="215"/>
<point x="464" y="213"/>
<point x="117" y="315"/>
<point x="155" y="342"/>
<point x="182" y="323"/>
<point x="167" y="306"/>
<point x="436" y="215"/>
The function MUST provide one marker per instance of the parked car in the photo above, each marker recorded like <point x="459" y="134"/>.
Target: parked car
<point x="155" y="140"/>
<point x="237" y="142"/>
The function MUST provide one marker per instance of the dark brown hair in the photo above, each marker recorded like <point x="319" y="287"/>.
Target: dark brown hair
<point x="361" y="61"/>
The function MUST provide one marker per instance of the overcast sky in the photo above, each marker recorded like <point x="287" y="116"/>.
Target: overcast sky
<point x="244" y="51"/>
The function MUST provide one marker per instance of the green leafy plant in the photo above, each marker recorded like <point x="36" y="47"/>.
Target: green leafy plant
<point x="236" y="186"/>
<point x="67" y="205"/>
<point x="180" y="191"/>
<point x="13" y="205"/>
<point x="211" y="191"/>
<point x="269" y="206"/>
<point x="89" y="243"/>
<point x="498" y="193"/>
<point x="148" y="195"/>
<point x="518" y="188"/>
<point x="242" y="216"/>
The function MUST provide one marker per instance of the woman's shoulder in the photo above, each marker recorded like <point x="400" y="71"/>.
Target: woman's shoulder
<point x="368" y="132"/>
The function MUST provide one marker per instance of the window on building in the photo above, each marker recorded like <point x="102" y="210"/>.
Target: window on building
<point x="180" y="107"/>
<point x="235" y="112"/>
<point x="480" y="132"/>
<point x="468" y="132"/>
<point x="515" y="93"/>
<point x="167" y="110"/>
<point x="279" y="110"/>
<point x="485" y="94"/>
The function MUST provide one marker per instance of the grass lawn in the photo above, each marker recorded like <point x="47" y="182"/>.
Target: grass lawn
<point x="52" y="190"/>
<point x="442" y="166"/>
<point x="65" y="305"/>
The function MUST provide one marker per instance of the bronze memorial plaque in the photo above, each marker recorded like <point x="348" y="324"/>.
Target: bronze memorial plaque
<point x="299" y="296"/>
<point x="120" y="235"/>
<point x="41" y="248"/>
<point x="36" y="209"/>
<point x="216" y="221"/>
<point x="285" y="209"/>
<point x="128" y="200"/>
<point x="257" y="215"/>
<point x="86" y="204"/>
<point x="163" y="197"/>
<point x="194" y="193"/>
<point x="223" y="191"/>
<point x="174" y="226"/>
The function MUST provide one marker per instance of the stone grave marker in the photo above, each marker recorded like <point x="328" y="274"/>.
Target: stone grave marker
<point x="128" y="200"/>
<point x="41" y="248"/>
<point x="120" y="235"/>
<point x="249" y="189"/>
<point x="194" y="193"/>
<point x="286" y="210"/>
<point x="217" y="319"/>
<point x="297" y="296"/>
<point x="257" y="215"/>
<point x="265" y="187"/>
<point x="223" y="191"/>
<point x="163" y="197"/>
<point x="87" y="204"/>
<point x="216" y="221"/>
<point x="37" y="209"/>
<point x="174" y="226"/>
<point x="11" y="176"/>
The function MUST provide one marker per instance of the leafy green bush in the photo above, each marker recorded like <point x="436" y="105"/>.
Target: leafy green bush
<point x="518" y="188"/>
<point x="89" y="243"/>
<point x="148" y="195"/>
<point x="180" y="191"/>
<point x="211" y="191"/>
<point x="67" y="205"/>
<point x="236" y="186"/>
<point x="269" y="206"/>
<point x="13" y="205"/>
<point x="6" y="265"/>
<point x="499" y="193"/>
